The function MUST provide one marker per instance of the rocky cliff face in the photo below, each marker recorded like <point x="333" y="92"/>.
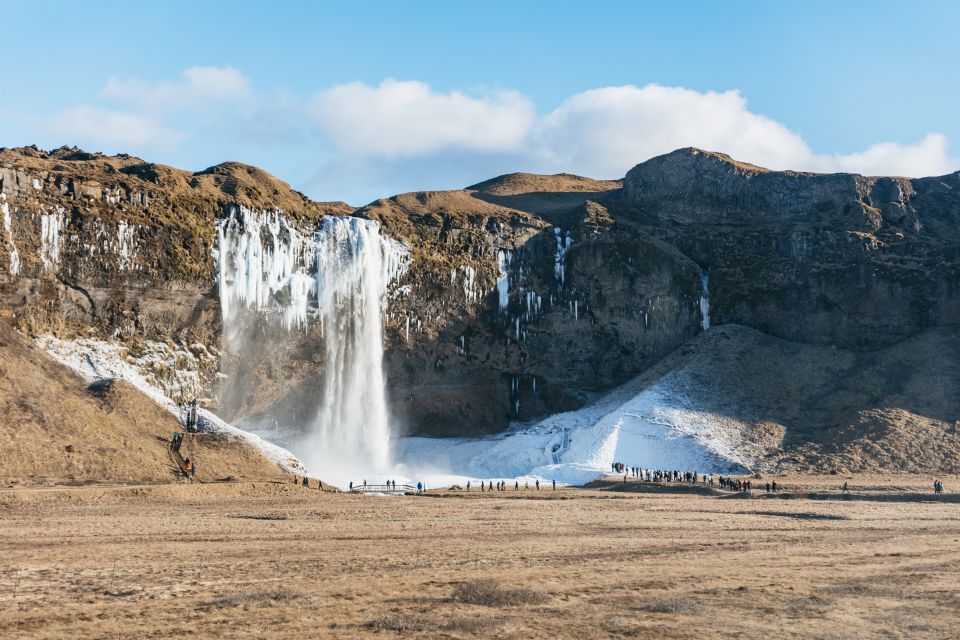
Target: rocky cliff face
<point x="525" y="294"/>
<point x="826" y="259"/>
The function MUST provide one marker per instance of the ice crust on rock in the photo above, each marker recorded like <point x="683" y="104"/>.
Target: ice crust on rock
<point x="50" y="227"/>
<point x="98" y="359"/>
<point x="8" y="228"/>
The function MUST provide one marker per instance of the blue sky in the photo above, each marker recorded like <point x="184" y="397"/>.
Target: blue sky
<point x="358" y="100"/>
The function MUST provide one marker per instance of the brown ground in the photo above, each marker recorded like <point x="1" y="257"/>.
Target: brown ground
<point x="279" y="561"/>
<point x="56" y="429"/>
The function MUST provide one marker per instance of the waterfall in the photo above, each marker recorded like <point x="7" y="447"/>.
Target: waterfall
<point x="355" y="265"/>
<point x="338" y="277"/>
<point x="704" y="299"/>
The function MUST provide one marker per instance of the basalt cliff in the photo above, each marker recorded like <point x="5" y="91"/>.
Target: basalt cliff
<point x="524" y="295"/>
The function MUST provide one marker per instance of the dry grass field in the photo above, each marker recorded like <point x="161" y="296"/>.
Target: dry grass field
<point x="280" y="561"/>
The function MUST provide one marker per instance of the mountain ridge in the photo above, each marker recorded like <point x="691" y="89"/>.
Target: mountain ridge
<point x="616" y="268"/>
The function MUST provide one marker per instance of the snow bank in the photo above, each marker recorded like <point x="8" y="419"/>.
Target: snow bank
<point x="98" y="359"/>
<point x="655" y="427"/>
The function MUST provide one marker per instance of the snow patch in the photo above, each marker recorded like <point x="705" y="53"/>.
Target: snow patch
<point x="97" y="359"/>
<point x="656" y="427"/>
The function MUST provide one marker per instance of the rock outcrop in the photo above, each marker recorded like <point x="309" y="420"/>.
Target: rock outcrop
<point x="525" y="295"/>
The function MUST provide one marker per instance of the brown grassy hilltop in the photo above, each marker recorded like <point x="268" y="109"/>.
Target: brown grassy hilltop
<point x="59" y="430"/>
<point x="173" y="193"/>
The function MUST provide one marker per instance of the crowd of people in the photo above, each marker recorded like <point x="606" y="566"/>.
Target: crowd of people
<point x="662" y="475"/>
<point x="743" y="485"/>
<point x="501" y="485"/>
<point x="190" y="416"/>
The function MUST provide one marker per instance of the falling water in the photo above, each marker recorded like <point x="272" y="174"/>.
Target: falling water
<point x="355" y="265"/>
<point x="337" y="277"/>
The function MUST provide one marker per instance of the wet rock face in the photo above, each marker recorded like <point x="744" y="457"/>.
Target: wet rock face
<point x="526" y="295"/>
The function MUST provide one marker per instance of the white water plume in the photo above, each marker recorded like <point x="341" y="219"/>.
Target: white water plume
<point x="355" y="265"/>
<point x="338" y="277"/>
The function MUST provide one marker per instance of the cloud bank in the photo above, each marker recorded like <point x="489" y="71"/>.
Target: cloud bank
<point x="365" y="139"/>
<point x="600" y="132"/>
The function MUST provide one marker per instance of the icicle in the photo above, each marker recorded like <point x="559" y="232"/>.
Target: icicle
<point x="469" y="277"/>
<point x="563" y="245"/>
<point x="50" y="226"/>
<point x="8" y="227"/>
<point x="704" y="299"/>
<point x="503" y="280"/>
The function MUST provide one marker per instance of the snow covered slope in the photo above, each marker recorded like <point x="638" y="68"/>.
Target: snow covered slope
<point x="657" y="421"/>
<point x="98" y="360"/>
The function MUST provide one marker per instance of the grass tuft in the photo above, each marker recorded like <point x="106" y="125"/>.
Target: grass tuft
<point x="674" y="605"/>
<point x="489" y="593"/>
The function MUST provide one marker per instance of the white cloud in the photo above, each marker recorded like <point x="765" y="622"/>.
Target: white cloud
<point x="198" y="87"/>
<point x="601" y="132"/>
<point x="405" y="118"/>
<point x="604" y="132"/>
<point x="929" y="157"/>
<point x="399" y="130"/>
<point x="108" y="130"/>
